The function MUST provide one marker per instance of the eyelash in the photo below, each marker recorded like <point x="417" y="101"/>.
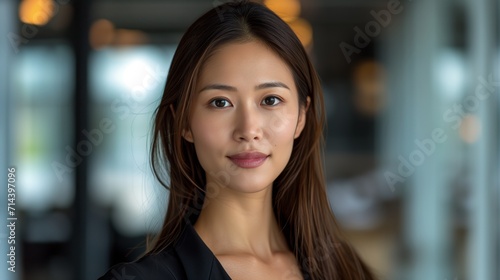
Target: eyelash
<point x="211" y="102"/>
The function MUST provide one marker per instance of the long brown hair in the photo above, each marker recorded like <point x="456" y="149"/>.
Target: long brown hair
<point x="299" y="194"/>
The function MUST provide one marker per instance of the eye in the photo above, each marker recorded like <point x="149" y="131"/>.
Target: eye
<point x="271" y="101"/>
<point x="220" y="103"/>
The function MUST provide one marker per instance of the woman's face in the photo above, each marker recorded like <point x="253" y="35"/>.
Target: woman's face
<point x="244" y="117"/>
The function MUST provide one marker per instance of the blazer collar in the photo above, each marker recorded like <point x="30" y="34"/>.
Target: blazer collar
<point x="198" y="261"/>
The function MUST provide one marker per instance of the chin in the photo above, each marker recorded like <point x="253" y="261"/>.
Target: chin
<point x="250" y="186"/>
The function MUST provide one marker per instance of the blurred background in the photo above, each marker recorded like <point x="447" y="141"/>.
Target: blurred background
<point x="412" y="157"/>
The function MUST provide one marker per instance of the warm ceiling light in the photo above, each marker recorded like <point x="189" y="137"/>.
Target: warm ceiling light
<point x="303" y="30"/>
<point x="369" y="79"/>
<point x="126" y="37"/>
<point x="285" y="9"/>
<point x="36" y="12"/>
<point x="102" y="33"/>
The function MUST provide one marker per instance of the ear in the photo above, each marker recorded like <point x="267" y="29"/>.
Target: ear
<point x="186" y="133"/>
<point x="302" y="119"/>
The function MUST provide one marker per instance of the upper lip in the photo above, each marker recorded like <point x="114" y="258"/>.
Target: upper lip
<point x="248" y="155"/>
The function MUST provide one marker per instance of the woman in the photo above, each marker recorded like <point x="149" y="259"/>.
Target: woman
<point x="237" y="141"/>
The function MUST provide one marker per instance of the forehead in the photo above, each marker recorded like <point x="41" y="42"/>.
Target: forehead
<point x="241" y="63"/>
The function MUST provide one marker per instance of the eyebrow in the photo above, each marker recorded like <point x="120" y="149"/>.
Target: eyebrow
<point x="258" y="87"/>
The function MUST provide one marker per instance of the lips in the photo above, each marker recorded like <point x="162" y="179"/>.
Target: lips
<point x="248" y="159"/>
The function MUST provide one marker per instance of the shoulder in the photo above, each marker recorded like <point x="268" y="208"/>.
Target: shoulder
<point x="164" y="265"/>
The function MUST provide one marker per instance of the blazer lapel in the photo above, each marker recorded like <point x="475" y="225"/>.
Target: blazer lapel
<point x="198" y="261"/>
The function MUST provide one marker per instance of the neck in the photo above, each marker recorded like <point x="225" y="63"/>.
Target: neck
<point x="234" y="223"/>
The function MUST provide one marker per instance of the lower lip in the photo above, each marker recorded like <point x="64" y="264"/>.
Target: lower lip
<point x="248" y="162"/>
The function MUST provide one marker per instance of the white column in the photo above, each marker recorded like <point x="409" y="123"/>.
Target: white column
<point x="484" y="218"/>
<point x="415" y="111"/>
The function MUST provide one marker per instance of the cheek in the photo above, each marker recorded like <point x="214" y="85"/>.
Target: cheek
<point x="281" y="126"/>
<point x="208" y="133"/>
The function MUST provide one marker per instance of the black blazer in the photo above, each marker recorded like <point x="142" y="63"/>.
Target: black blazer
<point x="187" y="259"/>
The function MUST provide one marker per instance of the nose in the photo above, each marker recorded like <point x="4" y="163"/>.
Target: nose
<point x="248" y="124"/>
